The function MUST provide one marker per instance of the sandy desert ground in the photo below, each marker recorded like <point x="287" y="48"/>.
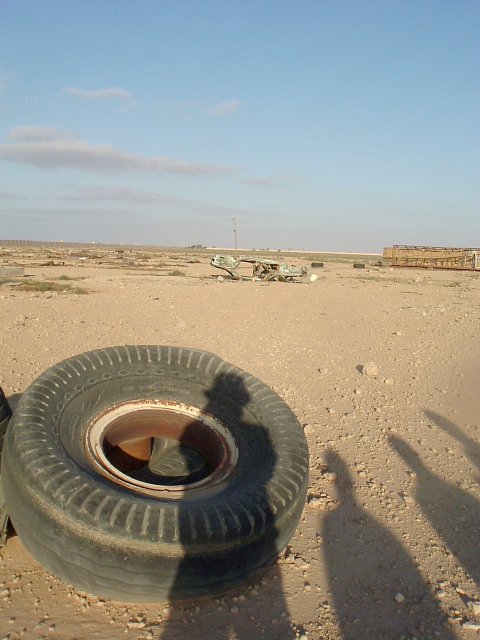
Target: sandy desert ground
<point x="388" y="543"/>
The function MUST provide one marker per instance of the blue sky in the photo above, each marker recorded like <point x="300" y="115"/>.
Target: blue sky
<point x="321" y="125"/>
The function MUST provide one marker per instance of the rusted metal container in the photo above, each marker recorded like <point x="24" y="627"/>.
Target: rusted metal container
<point x="432" y="257"/>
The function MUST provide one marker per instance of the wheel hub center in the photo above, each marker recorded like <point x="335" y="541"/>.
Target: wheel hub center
<point x="159" y="447"/>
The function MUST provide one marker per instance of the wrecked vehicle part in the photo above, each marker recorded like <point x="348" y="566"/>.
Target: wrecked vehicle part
<point x="273" y="270"/>
<point x="228" y="264"/>
<point x="263" y="269"/>
<point x="146" y="473"/>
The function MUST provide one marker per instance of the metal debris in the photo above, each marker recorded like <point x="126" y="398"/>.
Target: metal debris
<point x="263" y="269"/>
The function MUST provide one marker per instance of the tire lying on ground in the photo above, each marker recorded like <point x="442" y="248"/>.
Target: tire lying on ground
<point x="5" y="414"/>
<point x="145" y="473"/>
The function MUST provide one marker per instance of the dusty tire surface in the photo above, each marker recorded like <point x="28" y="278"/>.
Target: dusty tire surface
<point x="128" y="535"/>
<point x="5" y="414"/>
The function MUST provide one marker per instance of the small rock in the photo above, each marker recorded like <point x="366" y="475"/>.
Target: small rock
<point x="137" y="622"/>
<point x="234" y="609"/>
<point x="220" y="278"/>
<point x="331" y="476"/>
<point x="399" y="597"/>
<point x="474" y="607"/>
<point x="474" y="626"/>
<point x="388" y="381"/>
<point x="370" y="369"/>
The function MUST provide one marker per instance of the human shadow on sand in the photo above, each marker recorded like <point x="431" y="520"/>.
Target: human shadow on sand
<point x="470" y="446"/>
<point x="368" y="567"/>
<point x="256" y="609"/>
<point x="453" y="512"/>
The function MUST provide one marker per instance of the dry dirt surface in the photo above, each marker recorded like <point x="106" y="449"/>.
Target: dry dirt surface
<point x="388" y="543"/>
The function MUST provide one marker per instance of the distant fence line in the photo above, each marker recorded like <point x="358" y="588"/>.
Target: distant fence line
<point x="72" y="245"/>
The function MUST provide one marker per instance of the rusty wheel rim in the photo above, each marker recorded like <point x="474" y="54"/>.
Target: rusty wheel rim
<point x="121" y="438"/>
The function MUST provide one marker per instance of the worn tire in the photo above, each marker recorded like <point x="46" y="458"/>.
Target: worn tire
<point x="123" y="543"/>
<point x="5" y="415"/>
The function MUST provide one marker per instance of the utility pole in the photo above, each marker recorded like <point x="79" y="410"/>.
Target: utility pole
<point x="234" y="220"/>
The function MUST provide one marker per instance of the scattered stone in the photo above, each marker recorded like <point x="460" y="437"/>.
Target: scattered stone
<point x="370" y="369"/>
<point x="220" y="278"/>
<point x="388" y="381"/>
<point x="331" y="476"/>
<point x="323" y="501"/>
<point x="474" y="607"/>
<point x="474" y="626"/>
<point x="137" y="622"/>
<point x="323" y="370"/>
<point x="399" y="597"/>
<point x="234" y="609"/>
